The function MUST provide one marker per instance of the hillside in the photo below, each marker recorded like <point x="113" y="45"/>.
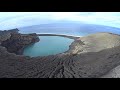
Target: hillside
<point x="96" y="42"/>
<point x="97" y="55"/>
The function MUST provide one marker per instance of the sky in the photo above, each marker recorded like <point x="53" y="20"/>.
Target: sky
<point x="10" y="20"/>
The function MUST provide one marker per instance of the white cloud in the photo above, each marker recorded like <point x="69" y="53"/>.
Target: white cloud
<point x="19" y="19"/>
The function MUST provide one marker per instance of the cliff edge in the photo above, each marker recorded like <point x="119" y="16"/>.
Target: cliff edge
<point x="16" y="42"/>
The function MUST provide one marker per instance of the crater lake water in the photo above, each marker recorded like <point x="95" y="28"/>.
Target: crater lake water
<point x="48" y="45"/>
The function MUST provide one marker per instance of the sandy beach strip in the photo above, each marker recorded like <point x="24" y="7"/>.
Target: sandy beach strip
<point x="62" y="35"/>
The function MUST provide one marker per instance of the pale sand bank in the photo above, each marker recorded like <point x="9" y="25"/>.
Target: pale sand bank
<point x="62" y="35"/>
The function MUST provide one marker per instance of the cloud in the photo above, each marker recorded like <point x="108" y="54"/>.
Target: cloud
<point x="10" y="20"/>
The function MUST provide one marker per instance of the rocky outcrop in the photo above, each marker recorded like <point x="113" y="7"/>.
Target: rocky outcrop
<point x="16" y="42"/>
<point x="4" y="35"/>
<point x="78" y="62"/>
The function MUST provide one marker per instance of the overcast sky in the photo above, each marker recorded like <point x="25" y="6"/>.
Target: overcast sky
<point x="9" y="20"/>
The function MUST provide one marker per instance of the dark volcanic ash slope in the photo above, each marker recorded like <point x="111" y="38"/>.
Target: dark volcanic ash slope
<point x="78" y="62"/>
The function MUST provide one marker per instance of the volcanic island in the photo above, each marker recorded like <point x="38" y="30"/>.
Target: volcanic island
<point x="91" y="56"/>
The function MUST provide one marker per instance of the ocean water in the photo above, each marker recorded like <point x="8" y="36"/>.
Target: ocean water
<point x="72" y="28"/>
<point x="48" y="45"/>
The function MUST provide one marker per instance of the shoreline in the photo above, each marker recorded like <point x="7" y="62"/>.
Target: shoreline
<point x="62" y="35"/>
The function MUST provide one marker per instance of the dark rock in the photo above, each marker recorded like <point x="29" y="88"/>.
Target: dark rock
<point x="92" y="64"/>
<point x="16" y="42"/>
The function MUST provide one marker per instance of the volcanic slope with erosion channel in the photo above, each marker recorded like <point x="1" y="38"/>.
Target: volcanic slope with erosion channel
<point x="91" y="56"/>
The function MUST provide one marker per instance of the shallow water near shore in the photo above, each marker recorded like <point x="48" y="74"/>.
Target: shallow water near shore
<point x="48" y="45"/>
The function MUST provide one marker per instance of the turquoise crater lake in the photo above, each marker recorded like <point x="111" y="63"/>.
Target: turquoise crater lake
<point x="48" y="45"/>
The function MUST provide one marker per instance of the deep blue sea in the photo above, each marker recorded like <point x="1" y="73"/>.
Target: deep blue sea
<point x="79" y="29"/>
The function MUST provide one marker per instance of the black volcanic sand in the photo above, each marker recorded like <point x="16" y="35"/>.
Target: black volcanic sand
<point x="80" y="61"/>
